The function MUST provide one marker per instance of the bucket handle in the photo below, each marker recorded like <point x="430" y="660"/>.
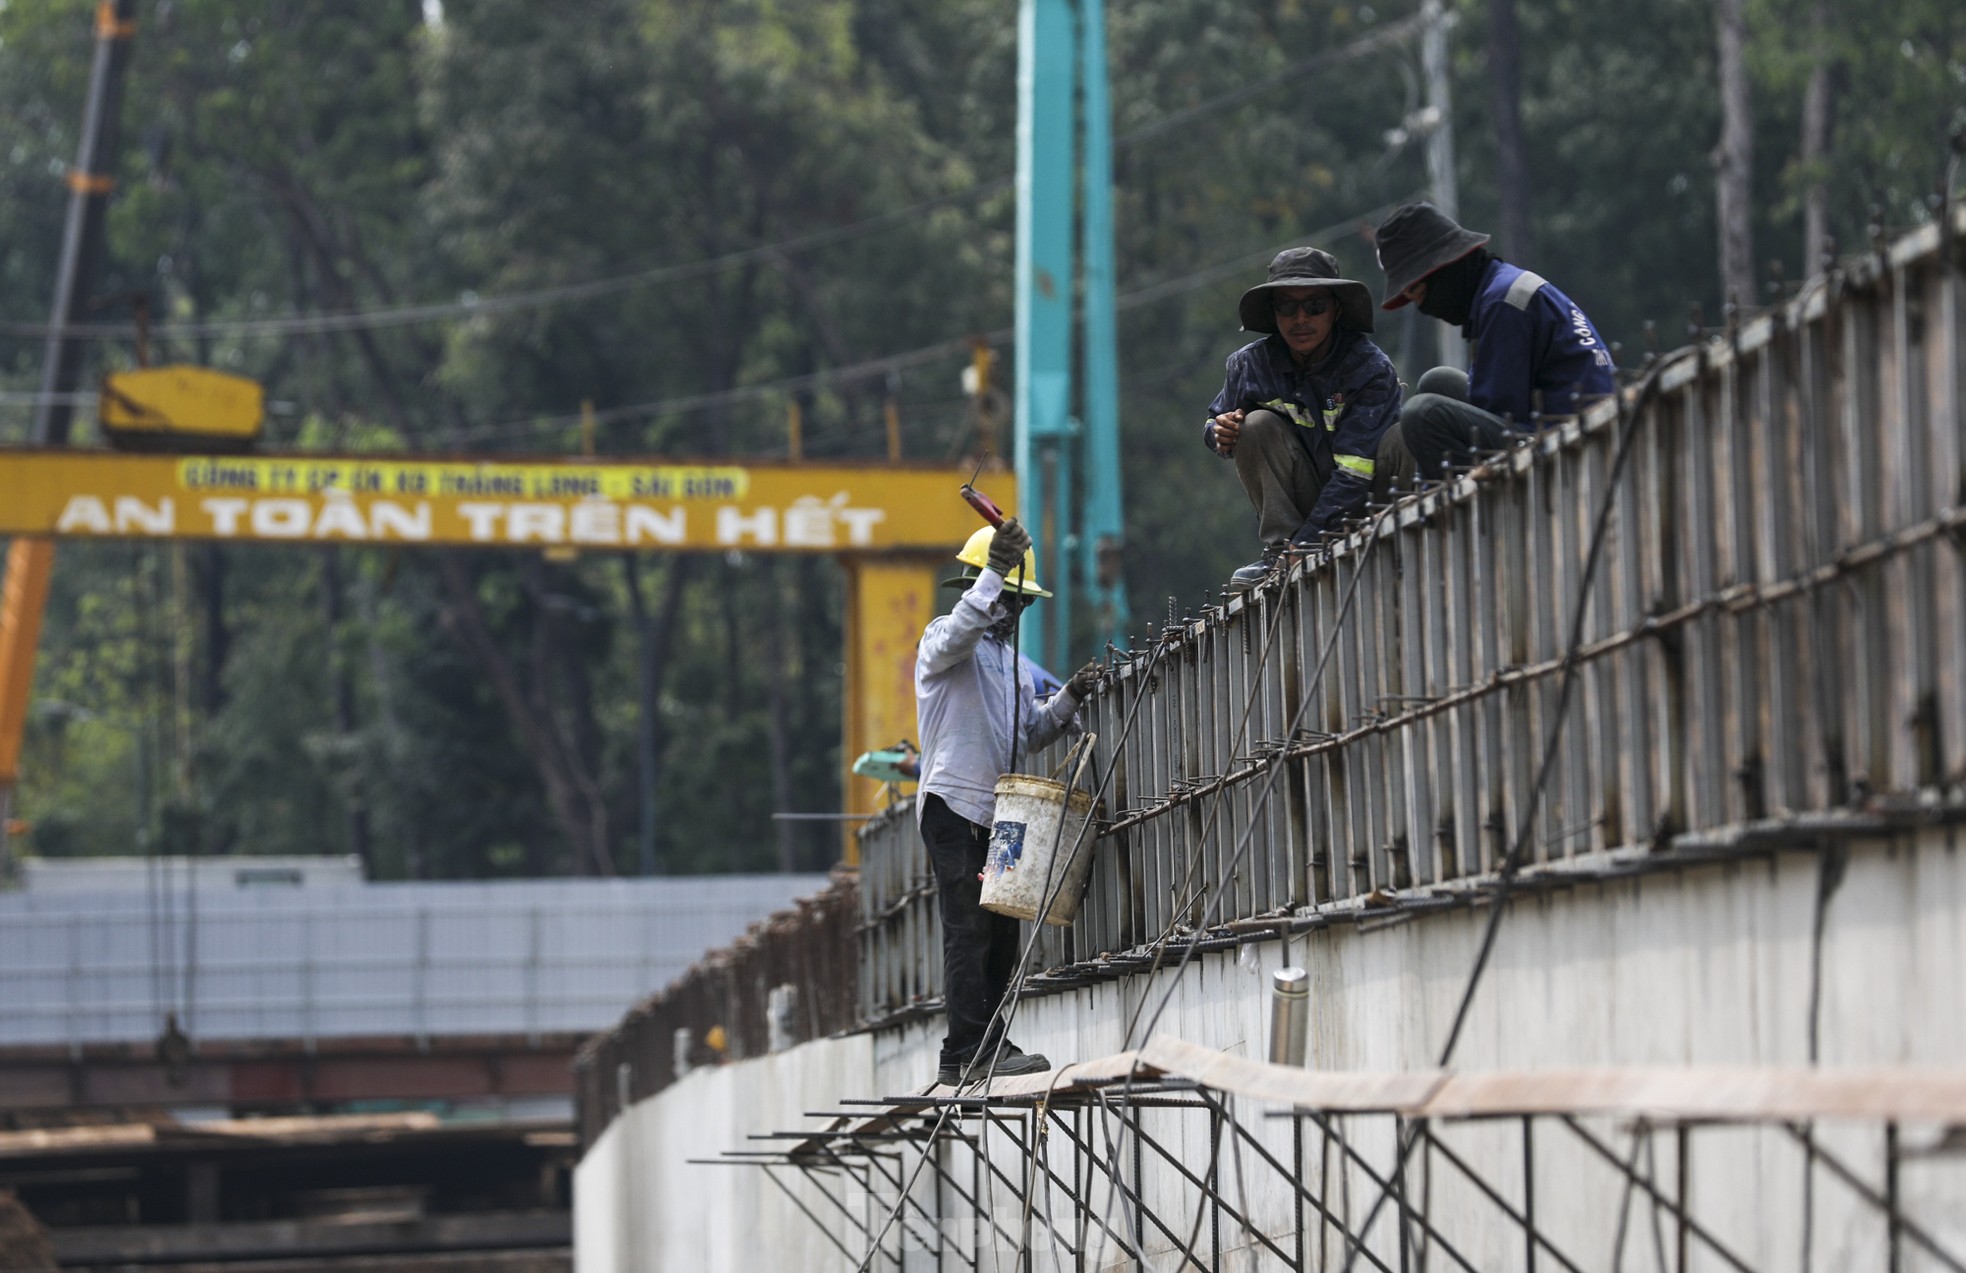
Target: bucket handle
<point x="1082" y="749"/>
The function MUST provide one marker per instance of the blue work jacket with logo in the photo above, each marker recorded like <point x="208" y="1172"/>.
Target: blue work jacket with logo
<point x="1530" y="339"/>
<point x="1345" y="404"/>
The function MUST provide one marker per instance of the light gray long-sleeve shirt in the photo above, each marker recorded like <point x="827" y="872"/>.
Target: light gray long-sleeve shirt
<point x="963" y="704"/>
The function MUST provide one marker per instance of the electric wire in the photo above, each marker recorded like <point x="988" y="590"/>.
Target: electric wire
<point x="471" y="305"/>
<point x="871" y="368"/>
<point x="1014" y="994"/>
<point x="1190" y="887"/>
<point x="905" y="360"/>
<point x="1007" y="1008"/>
<point x="1376" y="41"/>
<point x="1373" y="535"/>
<point x="1011" y="999"/>
<point x="1631" y="417"/>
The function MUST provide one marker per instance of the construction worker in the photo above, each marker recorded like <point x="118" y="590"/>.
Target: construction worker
<point x="1536" y="354"/>
<point x="1304" y="410"/>
<point x="978" y="710"/>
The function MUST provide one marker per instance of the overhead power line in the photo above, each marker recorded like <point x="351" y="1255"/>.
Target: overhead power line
<point x="875" y="367"/>
<point x="471" y="305"/>
<point x="1393" y="33"/>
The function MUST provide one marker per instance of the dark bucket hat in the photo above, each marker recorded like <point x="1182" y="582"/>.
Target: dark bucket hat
<point x="1416" y="240"/>
<point x="1306" y="267"/>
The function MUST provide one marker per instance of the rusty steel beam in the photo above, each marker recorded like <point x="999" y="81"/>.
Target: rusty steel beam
<point x="283" y="1073"/>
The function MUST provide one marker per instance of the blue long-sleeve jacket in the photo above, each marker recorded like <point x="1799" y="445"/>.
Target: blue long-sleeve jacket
<point x="1530" y="337"/>
<point x="1345" y="405"/>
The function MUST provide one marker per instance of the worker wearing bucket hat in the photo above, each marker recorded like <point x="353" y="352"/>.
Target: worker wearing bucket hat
<point x="977" y="709"/>
<point x="1536" y="354"/>
<point x="1303" y="410"/>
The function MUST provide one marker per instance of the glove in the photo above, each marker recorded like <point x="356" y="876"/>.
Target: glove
<point x="1085" y="680"/>
<point x="1007" y="547"/>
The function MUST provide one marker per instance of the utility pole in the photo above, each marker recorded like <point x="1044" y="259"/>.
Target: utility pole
<point x="31" y="561"/>
<point x="1440" y="143"/>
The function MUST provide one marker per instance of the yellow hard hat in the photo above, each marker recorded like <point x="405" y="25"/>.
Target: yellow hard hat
<point x="976" y="555"/>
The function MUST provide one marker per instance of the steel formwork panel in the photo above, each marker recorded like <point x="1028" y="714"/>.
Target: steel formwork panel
<point x="1774" y="626"/>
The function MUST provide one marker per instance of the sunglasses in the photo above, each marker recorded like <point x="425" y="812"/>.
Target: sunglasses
<point x="1313" y="307"/>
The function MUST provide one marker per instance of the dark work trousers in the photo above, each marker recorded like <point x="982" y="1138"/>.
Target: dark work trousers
<point x="1278" y="474"/>
<point x="979" y="947"/>
<point x="1438" y="430"/>
<point x="1282" y="477"/>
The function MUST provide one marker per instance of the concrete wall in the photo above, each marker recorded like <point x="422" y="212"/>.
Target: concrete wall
<point x="1710" y="964"/>
<point x="639" y="1205"/>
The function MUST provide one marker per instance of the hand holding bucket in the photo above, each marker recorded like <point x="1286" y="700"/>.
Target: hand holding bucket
<point x="1038" y="822"/>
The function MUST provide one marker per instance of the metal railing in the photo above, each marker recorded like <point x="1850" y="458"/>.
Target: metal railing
<point x="1774" y="635"/>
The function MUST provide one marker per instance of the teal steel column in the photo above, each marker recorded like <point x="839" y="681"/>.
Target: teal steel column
<point x="1102" y="534"/>
<point x="1046" y="74"/>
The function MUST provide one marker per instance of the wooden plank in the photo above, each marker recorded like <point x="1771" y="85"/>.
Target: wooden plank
<point x="1335" y="1090"/>
<point x="1707" y="1094"/>
<point x="1662" y="1093"/>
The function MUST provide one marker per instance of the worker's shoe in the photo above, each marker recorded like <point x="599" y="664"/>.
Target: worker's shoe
<point x="1012" y="1061"/>
<point x="1256" y="571"/>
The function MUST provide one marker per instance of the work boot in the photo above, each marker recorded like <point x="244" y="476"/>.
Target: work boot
<point x="1256" y="571"/>
<point x="1012" y="1061"/>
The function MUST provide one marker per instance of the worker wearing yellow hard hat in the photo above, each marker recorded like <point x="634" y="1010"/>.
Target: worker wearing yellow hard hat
<point x="976" y="556"/>
<point x="977" y="709"/>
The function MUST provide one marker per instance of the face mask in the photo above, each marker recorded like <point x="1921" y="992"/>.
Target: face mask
<point x="1451" y="289"/>
<point x="1005" y="624"/>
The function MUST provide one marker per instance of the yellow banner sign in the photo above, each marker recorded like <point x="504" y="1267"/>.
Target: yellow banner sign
<point x="572" y="503"/>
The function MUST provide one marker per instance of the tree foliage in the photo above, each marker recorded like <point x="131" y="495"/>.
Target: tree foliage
<point x="765" y="190"/>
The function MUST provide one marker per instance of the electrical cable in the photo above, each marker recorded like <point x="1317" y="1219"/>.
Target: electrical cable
<point x="1262" y="799"/>
<point x="1012" y="998"/>
<point x="1376" y="41"/>
<point x="1158" y="944"/>
<point x="1013" y="995"/>
<point x="867" y="369"/>
<point x="1630" y="417"/>
<point x="907" y="359"/>
<point x="1007" y="1008"/>
<point x="472" y="305"/>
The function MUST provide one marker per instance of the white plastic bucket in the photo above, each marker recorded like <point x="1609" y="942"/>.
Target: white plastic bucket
<point x="1017" y="873"/>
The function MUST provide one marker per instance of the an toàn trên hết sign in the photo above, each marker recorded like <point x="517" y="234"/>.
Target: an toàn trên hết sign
<point x="600" y="504"/>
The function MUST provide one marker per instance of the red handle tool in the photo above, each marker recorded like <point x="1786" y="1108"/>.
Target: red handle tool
<point x="985" y="507"/>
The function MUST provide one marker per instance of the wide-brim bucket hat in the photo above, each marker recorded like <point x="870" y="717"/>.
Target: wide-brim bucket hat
<point x="1306" y="267"/>
<point x="1416" y="240"/>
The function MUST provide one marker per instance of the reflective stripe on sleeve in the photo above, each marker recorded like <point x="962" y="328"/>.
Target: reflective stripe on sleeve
<point x="1355" y="463"/>
<point x="1525" y="286"/>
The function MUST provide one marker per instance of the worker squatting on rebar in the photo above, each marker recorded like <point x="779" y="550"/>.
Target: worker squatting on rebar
<point x="1304" y="411"/>
<point x="1536" y="354"/>
<point x="977" y="709"/>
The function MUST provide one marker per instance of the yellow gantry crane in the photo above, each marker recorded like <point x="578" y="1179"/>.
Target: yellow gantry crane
<point x="891" y="526"/>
